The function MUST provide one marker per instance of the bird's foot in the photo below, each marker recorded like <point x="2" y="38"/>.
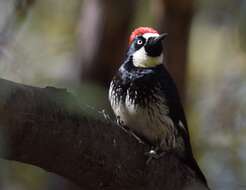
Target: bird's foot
<point x="136" y="137"/>
<point x="154" y="154"/>
<point x="119" y="121"/>
<point x="106" y="115"/>
<point x="127" y="130"/>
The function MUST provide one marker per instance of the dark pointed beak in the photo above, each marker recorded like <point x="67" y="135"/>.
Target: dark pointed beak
<point x="154" y="46"/>
<point x="160" y="37"/>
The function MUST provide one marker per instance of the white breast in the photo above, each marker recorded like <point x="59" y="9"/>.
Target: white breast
<point x="152" y="122"/>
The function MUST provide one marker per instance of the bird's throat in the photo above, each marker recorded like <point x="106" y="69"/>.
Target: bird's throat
<point x="140" y="59"/>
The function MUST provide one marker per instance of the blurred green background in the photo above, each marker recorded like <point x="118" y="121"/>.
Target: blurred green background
<point x="79" y="44"/>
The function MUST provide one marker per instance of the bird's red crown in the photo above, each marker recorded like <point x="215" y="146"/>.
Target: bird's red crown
<point x="140" y="31"/>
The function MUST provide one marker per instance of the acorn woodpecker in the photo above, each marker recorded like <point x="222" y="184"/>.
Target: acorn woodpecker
<point x="145" y="99"/>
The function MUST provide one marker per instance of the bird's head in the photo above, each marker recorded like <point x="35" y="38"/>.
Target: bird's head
<point x="145" y="47"/>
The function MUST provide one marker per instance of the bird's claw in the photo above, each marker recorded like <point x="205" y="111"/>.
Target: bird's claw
<point x="119" y="121"/>
<point x="127" y="130"/>
<point x="136" y="137"/>
<point x="152" y="154"/>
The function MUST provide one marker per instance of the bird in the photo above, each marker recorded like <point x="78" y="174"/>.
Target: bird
<point x="146" y="102"/>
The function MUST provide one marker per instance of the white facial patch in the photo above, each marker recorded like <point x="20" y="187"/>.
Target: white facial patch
<point x="140" y="57"/>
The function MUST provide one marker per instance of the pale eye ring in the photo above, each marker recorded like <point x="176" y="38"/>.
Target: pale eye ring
<point x="139" y="42"/>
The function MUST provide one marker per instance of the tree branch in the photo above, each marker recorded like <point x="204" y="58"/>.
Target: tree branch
<point x="47" y="127"/>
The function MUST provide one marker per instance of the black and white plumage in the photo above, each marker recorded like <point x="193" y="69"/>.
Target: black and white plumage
<point x="144" y="98"/>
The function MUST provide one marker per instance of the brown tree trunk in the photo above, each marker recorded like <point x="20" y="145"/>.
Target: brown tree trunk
<point x="176" y="22"/>
<point x="46" y="127"/>
<point x="104" y="29"/>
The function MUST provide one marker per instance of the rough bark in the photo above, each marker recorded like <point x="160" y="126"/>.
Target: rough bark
<point x="48" y="128"/>
<point x="104" y="29"/>
<point x="176" y="22"/>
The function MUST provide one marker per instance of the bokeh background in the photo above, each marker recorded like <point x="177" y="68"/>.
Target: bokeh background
<point x="79" y="44"/>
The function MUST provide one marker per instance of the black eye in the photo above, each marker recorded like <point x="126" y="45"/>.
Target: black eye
<point x="139" y="42"/>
